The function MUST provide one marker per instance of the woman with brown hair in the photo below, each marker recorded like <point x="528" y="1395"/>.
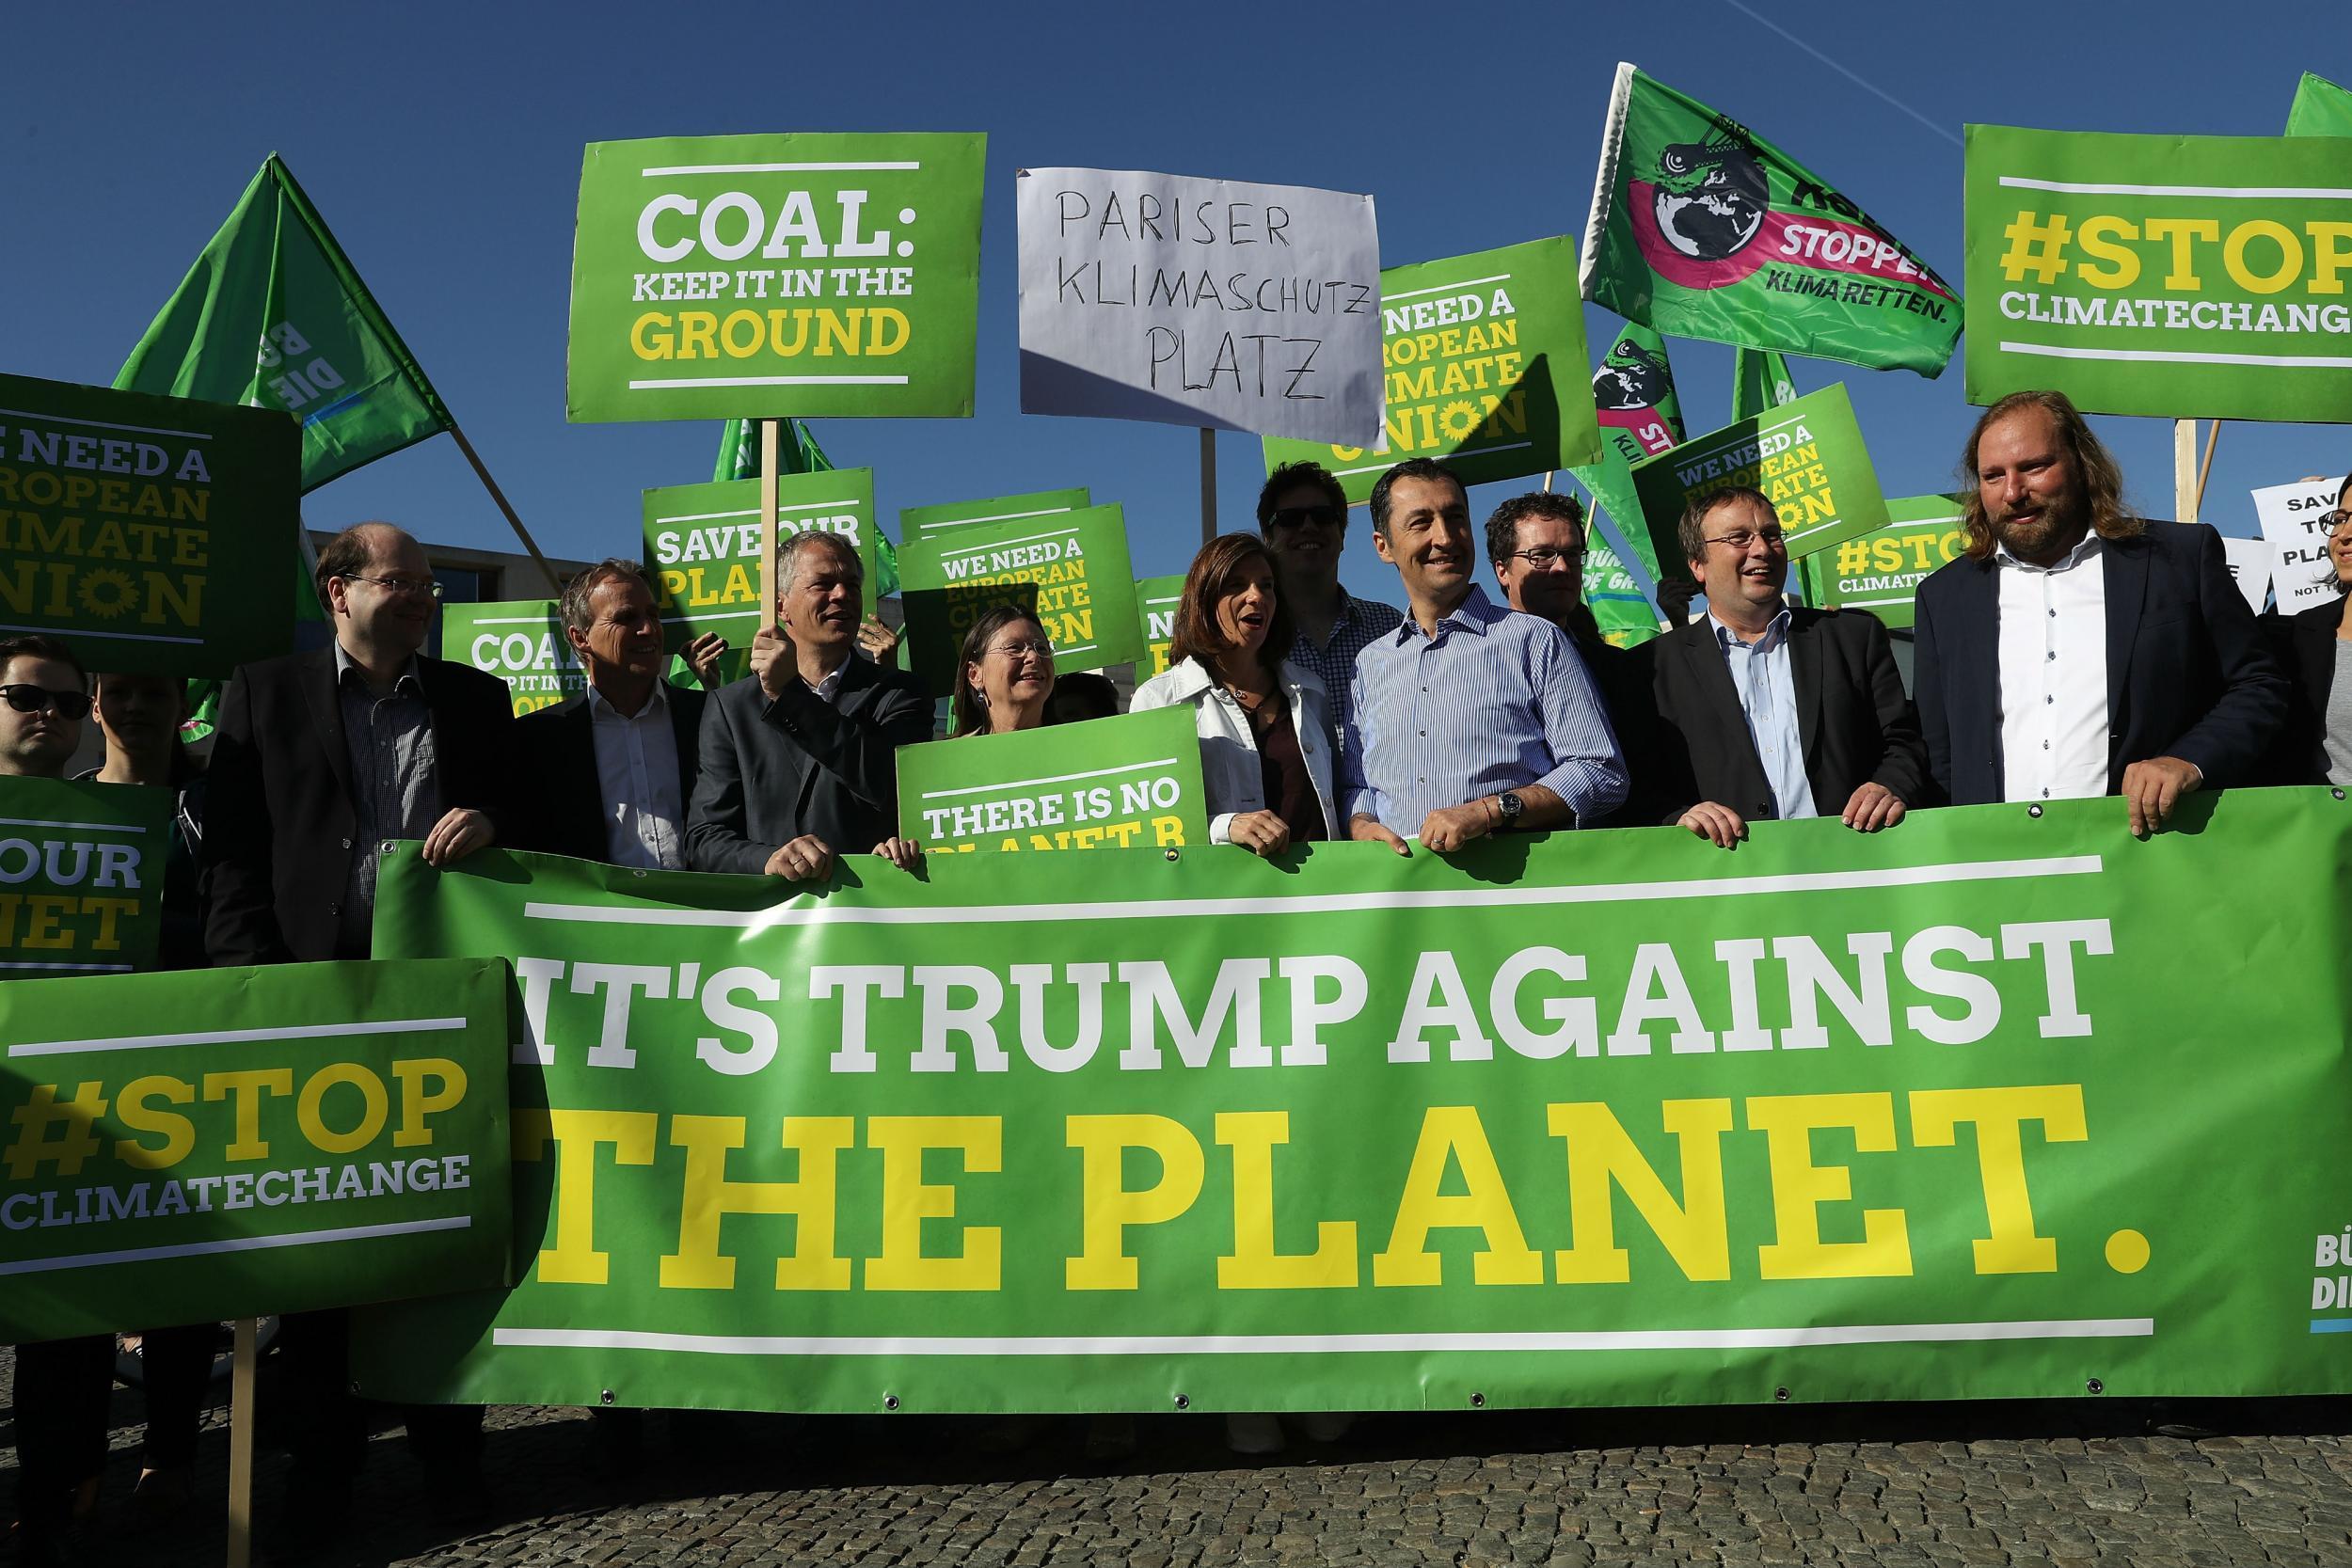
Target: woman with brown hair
<point x="1262" y="721"/>
<point x="1005" y="675"/>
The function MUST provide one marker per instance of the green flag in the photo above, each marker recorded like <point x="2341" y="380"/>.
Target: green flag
<point x="1759" y="380"/>
<point x="1702" y="229"/>
<point x="1640" y="415"/>
<point x="797" y="452"/>
<point x="2321" y="110"/>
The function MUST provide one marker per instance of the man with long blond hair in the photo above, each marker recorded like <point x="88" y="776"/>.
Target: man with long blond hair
<point x="2077" y="650"/>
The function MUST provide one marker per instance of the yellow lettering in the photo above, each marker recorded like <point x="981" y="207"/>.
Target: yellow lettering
<point x="1694" y="1231"/>
<point x="574" y="1259"/>
<point x="1110" y="1205"/>
<point x="2011" y="1246"/>
<point x="1800" y="1187"/>
<point x="1254" y="1264"/>
<point x="1454" y="1131"/>
<point x="907" y="1200"/>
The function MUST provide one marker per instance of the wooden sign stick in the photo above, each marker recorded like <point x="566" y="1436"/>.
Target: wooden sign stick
<point x="767" y="458"/>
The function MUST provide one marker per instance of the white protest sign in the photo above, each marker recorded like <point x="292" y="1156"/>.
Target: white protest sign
<point x="2249" y="565"/>
<point x="2293" y="518"/>
<point x="1201" y="302"/>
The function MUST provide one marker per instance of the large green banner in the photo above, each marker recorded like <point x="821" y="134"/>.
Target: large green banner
<point x="702" y="549"/>
<point x="1157" y="599"/>
<point x="1125" y="782"/>
<point x="522" y="642"/>
<point x="152" y="534"/>
<point x="1070" y="569"/>
<point x="1703" y="228"/>
<point x="1609" y="1118"/>
<point x="81" y="876"/>
<point x="926" y="522"/>
<point x="1483" y="357"/>
<point x="1806" y="456"/>
<point x="2174" y="276"/>
<point x="325" y="1134"/>
<point x="1881" y="571"/>
<point x="775" y="276"/>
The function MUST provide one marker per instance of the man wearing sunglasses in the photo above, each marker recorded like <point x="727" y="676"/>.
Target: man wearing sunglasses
<point x="319" y="759"/>
<point x="44" y="699"/>
<point x="1770" y="710"/>
<point x="1302" y="517"/>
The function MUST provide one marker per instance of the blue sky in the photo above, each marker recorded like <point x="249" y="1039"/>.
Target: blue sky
<point x="442" y="143"/>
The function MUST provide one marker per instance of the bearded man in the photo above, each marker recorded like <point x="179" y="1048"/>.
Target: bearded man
<point x="2075" y="650"/>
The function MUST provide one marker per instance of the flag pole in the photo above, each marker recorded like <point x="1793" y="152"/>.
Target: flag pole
<point x="241" y="1443"/>
<point x="2213" y="440"/>
<point x="2185" y="470"/>
<point x="555" y="585"/>
<point x="1208" y="484"/>
<point x="769" y="439"/>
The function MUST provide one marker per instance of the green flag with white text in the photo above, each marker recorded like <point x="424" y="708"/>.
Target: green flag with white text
<point x="2321" y="108"/>
<point x="1702" y="229"/>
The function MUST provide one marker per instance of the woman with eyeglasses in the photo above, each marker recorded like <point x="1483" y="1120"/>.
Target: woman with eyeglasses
<point x="1263" y="720"/>
<point x="2316" y="645"/>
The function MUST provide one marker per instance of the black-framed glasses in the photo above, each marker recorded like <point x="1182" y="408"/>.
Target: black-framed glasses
<point x="1326" y="515"/>
<point x="26" y="697"/>
<point x="1774" y="539"/>
<point x="2330" y="521"/>
<point x="426" y="587"/>
<point x="1543" y="557"/>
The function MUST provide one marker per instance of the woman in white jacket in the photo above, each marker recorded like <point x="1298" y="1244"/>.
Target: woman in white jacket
<point x="1262" y="720"/>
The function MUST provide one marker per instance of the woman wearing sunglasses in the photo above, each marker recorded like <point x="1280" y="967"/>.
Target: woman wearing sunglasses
<point x="2316" y="645"/>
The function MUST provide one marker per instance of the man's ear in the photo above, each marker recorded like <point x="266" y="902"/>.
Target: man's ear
<point x="577" y="637"/>
<point x="1381" y="545"/>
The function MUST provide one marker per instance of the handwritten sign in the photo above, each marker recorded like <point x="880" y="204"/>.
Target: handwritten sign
<point x="1201" y="302"/>
<point x="1128" y="783"/>
<point x="2293" y="519"/>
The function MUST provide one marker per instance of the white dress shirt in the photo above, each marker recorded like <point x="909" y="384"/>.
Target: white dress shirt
<point x="2054" y="675"/>
<point x="1761" y="673"/>
<point x="637" y="776"/>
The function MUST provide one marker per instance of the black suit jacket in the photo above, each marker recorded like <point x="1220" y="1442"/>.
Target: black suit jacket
<point x="280" y="817"/>
<point x="559" y="743"/>
<point x="1856" y="725"/>
<point x="773" y="771"/>
<point x="2187" y="673"/>
<point x="2305" y="645"/>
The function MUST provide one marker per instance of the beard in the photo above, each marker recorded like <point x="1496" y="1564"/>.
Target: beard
<point x="2064" y="518"/>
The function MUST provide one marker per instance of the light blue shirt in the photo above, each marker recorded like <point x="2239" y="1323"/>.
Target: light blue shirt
<point x="1495" y="701"/>
<point x="1767" y="696"/>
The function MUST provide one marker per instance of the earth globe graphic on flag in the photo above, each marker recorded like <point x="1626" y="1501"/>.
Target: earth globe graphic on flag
<point x="1710" y="200"/>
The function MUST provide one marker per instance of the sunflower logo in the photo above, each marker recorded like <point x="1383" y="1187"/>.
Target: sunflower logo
<point x="1457" y="420"/>
<point x="105" y="593"/>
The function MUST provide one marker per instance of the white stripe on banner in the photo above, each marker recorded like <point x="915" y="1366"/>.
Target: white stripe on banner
<point x="2259" y="193"/>
<point x="236" y="1037"/>
<point x="813" y="914"/>
<point x="1296" y="1344"/>
<point x="1060" y="778"/>
<point x="2183" y="356"/>
<point x="237" y="1243"/>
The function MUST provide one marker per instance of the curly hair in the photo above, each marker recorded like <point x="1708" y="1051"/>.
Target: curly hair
<point x="1503" y="526"/>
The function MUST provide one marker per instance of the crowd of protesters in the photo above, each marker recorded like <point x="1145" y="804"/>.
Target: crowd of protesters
<point x="2073" y="650"/>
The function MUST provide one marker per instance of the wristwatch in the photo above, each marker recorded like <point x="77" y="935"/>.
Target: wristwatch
<point x="1510" y="805"/>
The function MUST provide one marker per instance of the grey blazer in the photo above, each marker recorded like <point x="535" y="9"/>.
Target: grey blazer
<point x="773" y="771"/>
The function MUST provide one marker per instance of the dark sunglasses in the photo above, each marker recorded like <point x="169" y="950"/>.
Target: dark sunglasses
<point x="1299" y="517"/>
<point x="27" y="698"/>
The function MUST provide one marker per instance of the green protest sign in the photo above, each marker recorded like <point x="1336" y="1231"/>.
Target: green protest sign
<point x="2321" y="108"/>
<point x="1806" y="456"/>
<point x="1157" y="599"/>
<point x="152" y="533"/>
<point x="1881" y="571"/>
<point x="81" y="876"/>
<point x="925" y="522"/>
<point x="2167" y="276"/>
<point x="702" y="549"/>
<point x="522" y="642"/>
<point x="1131" y="781"/>
<point x="1070" y="569"/>
<point x="764" y="277"/>
<point x="333" y="1133"/>
<point x="1600" y="1119"/>
<point x="1703" y="228"/>
<point x="1483" y="358"/>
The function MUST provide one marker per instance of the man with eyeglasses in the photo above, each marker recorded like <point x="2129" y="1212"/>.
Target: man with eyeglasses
<point x="1773" y="710"/>
<point x="320" y="757"/>
<point x="1302" y="517"/>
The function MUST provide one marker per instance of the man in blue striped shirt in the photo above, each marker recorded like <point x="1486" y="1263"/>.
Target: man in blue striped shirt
<point x="1469" y="720"/>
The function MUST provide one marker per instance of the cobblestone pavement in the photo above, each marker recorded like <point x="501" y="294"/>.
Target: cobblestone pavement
<point x="2079" y="1483"/>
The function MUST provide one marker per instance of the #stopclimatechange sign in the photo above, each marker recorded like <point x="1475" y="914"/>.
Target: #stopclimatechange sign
<point x="1070" y="569"/>
<point x="328" y="1133"/>
<point x="1199" y="301"/>
<point x="1807" y="456"/>
<point x="81" y="876"/>
<point x="1881" y="571"/>
<point x="1130" y="781"/>
<point x="2165" y="275"/>
<point x="1576" y="1119"/>
<point x="522" y="642"/>
<point x="152" y="533"/>
<point x="1484" y="361"/>
<point x="759" y="276"/>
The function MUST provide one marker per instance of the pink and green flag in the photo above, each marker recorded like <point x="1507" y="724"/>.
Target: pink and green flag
<point x="1634" y="400"/>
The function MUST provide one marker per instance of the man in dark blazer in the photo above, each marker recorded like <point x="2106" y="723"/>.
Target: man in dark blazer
<point x="317" y="759"/>
<point x="617" y="765"/>
<point x="1773" y="710"/>
<point x="2075" y="650"/>
<point x="800" y="758"/>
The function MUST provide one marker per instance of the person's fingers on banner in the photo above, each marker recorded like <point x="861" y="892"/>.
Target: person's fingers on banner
<point x="806" y="859"/>
<point x="1872" y="807"/>
<point x="704" y="653"/>
<point x="2154" y="787"/>
<point x="1717" y="824"/>
<point x="1368" y="830"/>
<point x="1261" y="833"/>
<point x="1449" y="828"/>
<point x="878" y="642"/>
<point x="457" y="834"/>
<point x="904" y="853"/>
